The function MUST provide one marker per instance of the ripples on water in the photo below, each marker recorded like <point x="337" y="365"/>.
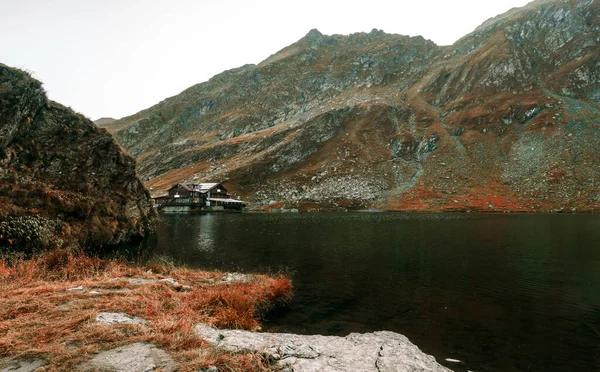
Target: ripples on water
<point x="497" y="292"/>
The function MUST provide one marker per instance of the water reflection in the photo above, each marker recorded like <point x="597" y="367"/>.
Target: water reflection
<point x="205" y="233"/>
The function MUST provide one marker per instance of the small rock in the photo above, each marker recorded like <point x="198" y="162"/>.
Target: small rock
<point x="139" y="281"/>
<point x="26" y="365"/>
<point x="235" y="278"/>
<point x="171" y="281"/>
<point x="118" y="318"/>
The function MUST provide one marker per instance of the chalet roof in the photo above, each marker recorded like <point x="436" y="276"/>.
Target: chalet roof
<point x="200" y="187"/>
<point x="187" y="187"/>
<point x="205" y="187"/>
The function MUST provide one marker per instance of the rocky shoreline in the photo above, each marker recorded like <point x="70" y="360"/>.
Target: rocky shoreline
<point x="66" y="312"/>
<point x="63" y="312"/>
<point x="378" y="352"/>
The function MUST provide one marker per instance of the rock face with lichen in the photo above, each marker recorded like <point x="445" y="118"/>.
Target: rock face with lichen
<point x="63" y="181"/>
<point x="506" y="119"/>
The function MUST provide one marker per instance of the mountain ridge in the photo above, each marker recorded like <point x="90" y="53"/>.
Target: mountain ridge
<point x="376" y="120"/>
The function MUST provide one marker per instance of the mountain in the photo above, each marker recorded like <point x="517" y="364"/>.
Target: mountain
<point x="63" y="181"/>
<point x="506" y="119"/>
<point x="102" y="122"/>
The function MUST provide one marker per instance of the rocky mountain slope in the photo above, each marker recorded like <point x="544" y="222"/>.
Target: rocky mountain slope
<point x="63" y="181"/>
<point x="506" y="119"/>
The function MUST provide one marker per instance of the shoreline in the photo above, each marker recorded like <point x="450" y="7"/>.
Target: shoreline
<point x="486" y="212"/>
<point x="66" y="311"/>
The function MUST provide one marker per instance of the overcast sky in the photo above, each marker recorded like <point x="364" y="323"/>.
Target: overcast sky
<point x="117" y="57"/>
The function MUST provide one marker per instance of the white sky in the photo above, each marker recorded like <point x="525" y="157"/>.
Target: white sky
<point x="117" y="57"/>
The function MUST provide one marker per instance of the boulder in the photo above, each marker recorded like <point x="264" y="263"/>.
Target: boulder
<point x="377" y="351"/>
<point x="64" y="182"/>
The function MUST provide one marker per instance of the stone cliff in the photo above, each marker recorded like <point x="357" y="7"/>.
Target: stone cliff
<point x="506" y="119"/>
<point x="63" y="181"/>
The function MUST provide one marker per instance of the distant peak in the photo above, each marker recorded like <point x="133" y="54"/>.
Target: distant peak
<point x="314" y="38"/>
<point x="314" y="34"/>
<point x="376" y="32"/>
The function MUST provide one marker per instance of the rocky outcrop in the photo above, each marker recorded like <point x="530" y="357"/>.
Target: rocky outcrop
<point x="377" y="352"/>
<point x="63" y="181"/>
<point x="506" y="119"/>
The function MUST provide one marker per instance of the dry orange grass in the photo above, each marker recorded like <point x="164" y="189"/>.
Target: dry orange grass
<point x="40" y="317"/>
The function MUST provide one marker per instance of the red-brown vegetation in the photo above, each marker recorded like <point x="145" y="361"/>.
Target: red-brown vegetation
<point x="40" y="316"/>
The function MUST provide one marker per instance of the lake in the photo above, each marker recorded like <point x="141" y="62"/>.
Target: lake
<point x="497" y="292"/>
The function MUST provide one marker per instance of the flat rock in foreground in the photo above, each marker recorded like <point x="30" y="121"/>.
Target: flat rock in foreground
<point x="25" y="365"/>
<point x="377" y="351"/>
<point x="136" y="357"/>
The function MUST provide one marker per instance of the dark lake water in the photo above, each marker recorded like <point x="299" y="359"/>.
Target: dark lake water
<point x="497" y="292"/>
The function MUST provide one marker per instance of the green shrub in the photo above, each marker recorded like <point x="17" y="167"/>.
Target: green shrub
<point x="30" y="234"/>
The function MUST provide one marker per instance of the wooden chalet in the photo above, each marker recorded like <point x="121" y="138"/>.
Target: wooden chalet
<point x="199" y="195"/>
